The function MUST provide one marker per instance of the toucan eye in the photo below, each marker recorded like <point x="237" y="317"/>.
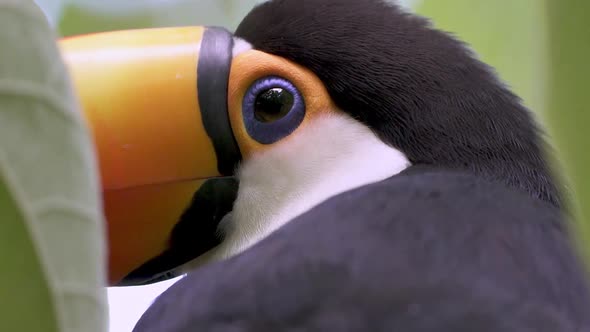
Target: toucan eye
<point x="273" y="104"/>
<point x="272" y="109"/>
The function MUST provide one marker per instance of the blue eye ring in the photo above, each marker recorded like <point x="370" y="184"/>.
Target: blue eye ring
<point x="272" y="131"/>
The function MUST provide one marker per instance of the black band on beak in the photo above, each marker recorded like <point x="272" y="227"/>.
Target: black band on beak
<point x="213" y="78"/>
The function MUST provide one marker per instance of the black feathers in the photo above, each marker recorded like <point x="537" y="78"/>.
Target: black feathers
<point x="419" y="89"/>
<point x="498" y="261"/>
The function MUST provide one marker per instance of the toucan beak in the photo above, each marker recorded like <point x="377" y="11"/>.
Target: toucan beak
<point x="156" y="103"/>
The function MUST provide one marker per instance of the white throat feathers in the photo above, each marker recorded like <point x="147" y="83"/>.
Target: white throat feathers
<point x="331" y="155"/>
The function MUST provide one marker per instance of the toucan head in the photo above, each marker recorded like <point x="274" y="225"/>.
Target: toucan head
<point x="209" y="140"/>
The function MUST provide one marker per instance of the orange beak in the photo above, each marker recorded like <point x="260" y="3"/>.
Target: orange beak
<point x="156" y="103"/>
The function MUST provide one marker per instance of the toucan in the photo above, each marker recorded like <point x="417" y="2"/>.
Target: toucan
<point x="326" y="156"/>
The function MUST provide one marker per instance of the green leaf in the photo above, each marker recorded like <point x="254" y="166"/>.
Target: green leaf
<point x="24" y="288"/>
<point x="51" y="229"/>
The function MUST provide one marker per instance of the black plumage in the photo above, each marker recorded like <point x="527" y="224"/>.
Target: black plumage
<point x="430" y="251"/>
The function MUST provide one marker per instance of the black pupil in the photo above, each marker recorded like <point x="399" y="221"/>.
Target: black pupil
<point x="272" y="104"/>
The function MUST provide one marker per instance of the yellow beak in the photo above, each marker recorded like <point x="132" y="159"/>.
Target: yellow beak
<point x="156" y="103"/>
